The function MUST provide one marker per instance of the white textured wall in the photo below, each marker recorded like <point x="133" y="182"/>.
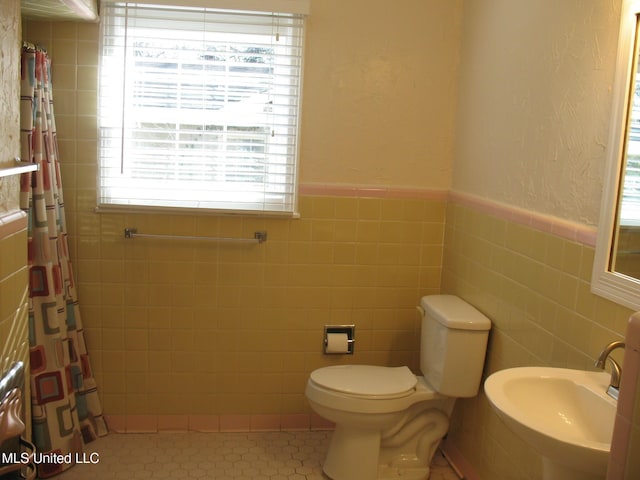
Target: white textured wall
<point x="380" y="92"/>
<point x="534" y="103"/>
<point x="9" y="99"/>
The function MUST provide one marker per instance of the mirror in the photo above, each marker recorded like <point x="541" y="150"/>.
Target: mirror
<point x="616" y="269"/>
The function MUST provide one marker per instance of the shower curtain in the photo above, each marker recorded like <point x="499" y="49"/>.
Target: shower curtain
<point x="65" y="408"/>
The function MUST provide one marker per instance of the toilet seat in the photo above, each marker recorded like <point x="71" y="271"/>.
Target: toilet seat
<point x="331" y="398"/>
<point x="368" y="381"/>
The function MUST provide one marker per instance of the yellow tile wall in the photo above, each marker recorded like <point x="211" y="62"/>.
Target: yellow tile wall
<point x="14" y="344"/>
<point x="535" y="288"/>
<point x="14" y="318"/>
<point x="201" y="328"/>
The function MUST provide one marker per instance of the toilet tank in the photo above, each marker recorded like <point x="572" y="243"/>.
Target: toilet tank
<point x="453" y="345"/>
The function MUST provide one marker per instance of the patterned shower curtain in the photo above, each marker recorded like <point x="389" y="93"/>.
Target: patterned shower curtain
<point x="65" y="408"/>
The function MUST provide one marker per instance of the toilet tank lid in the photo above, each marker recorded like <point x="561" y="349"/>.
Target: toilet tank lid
<point x="453" y="312"/>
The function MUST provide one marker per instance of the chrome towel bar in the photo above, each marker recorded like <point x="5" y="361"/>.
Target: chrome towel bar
<point x="258" y="237"/>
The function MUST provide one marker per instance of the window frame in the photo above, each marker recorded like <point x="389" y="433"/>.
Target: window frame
<point x="286" y="205"/>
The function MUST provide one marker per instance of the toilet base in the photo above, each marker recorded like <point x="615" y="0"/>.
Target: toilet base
<point x="340" y="465"/>
<point x="411" y="471"/>
<point x="337" y="465"/>
<point x="403" y="451"/>
<point x="352" y="454"/>
<point x="391" y="473"/>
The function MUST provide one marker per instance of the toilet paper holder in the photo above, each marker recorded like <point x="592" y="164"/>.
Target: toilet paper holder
<point x="349" y="330"/>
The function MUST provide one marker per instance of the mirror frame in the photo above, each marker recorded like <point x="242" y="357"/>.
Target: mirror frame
<point x="615" y="286"/>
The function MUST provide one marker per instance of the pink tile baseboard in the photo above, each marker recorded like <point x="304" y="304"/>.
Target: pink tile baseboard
<point x="627" y="401"/>
<point x="12" y="222"/>
<point x="560" y="227"/>
<point x="204" y="423"/>
<point x="265" y="423"/>
<point x="215" y="423"/>
<point x="141" y="424"/>
<point x="457" y="460"/>
<point x="116" y="423"/>
<point x="319" y="423"/>
<point x="173" y="423"/>
<point x="295" y="422"/>
<point x="235" y="423"/>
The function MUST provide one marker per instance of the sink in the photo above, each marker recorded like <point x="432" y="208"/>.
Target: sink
<point x="564" y="414"/>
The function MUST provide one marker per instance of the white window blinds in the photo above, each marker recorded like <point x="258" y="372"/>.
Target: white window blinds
<point x="630" y="198"/>
<point x="199" y="108"/>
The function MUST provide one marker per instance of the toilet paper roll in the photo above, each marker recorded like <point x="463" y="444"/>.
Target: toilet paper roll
<point x="337" y="343"/>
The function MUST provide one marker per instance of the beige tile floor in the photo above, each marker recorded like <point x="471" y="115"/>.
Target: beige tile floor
<point x="219" y="456"/>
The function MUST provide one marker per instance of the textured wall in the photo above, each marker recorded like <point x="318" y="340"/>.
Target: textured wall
<point x="534" y="103"/>
<point x="9" y="99"/>
<point x="379" y="95"/>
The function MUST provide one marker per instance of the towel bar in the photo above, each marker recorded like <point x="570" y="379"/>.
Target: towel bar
<point x="258" y="237"/>
<point x="18" y="168"/>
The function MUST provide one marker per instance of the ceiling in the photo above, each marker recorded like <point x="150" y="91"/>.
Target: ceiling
<point x="72" y="10"/>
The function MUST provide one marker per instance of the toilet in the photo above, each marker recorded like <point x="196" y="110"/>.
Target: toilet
<point x="388" y="421"/>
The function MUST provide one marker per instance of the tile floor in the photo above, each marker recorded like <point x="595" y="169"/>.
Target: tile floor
<point x="219" y="456"/>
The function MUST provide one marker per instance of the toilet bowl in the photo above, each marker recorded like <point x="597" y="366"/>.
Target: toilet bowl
<point x="389" y="422"/>
<point x="373" y="421"/>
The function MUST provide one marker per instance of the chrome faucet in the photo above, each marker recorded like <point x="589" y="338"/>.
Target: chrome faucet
<point x="616" y="371"/>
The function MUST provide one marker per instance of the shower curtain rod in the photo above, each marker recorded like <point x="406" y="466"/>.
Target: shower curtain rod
<point x="258" y="237"/>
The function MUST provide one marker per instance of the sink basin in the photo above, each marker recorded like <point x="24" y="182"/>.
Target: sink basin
<point x="564" y="414"/>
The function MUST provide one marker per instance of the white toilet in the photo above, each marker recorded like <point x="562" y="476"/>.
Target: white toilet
<point x="389" y="421"/>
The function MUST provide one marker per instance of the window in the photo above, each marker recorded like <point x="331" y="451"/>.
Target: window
<point x="630" y="201"/>
<point x="199" y="107"/>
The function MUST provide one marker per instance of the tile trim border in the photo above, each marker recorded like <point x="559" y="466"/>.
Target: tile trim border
<point x="567" y="229"/>
<point x="12" y="223"/>
<point x="457" y="461"/>
<point x="371" y="191"/>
